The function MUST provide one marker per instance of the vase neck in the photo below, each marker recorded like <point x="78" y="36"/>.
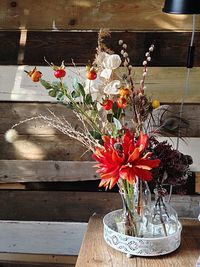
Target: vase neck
<point x="160" y="193"/>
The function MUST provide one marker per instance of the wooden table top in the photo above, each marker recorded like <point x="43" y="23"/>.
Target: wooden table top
<point x="95" y="252"/>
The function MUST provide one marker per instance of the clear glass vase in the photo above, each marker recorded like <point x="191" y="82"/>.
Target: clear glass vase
<point x="142" y="202"/>
<point x="163" y="218"/>
<point x="128" y="222"/>
<point x="136" y="201"/>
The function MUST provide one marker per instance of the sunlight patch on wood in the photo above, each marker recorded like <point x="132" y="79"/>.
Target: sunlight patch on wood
<point x="28" y="149"/>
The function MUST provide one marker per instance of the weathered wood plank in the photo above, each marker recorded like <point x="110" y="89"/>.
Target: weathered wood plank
<point x="35" y="237"/>
<point x="16" y="263"/>
<point x="15" y="186"/>
<point x="31" y="260"/>
<point x="197" y="183"/>
<point x="105" y="256"/>
<point x="12" y="113"/>
<point x="163" y="83"/>
<point x="44" y="147"/>
<point x="12" y="171"/>
<point x="9" y="47"/>
<point x="171" y="47"/>
<point x="135" y="15"/>
<point x="55" y="206"/>
<point x="74" y="206"/>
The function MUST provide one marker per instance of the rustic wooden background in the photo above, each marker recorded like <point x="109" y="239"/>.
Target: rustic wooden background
<point x="66" y="30"/>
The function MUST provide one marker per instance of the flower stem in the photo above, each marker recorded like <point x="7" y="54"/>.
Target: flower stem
<point x="80" y="110"/>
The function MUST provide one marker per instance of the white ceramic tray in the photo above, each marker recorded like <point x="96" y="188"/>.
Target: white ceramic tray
<point x="138" y="246"/>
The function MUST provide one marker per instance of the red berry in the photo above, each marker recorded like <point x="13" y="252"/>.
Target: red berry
<point x="91" y="75"/>
<point x="60" y="73"/>
<point x="121" y="102"/>
<point x="107" y="104"/>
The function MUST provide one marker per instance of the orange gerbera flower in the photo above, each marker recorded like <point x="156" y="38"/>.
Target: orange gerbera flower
<point x="123" y="158"/>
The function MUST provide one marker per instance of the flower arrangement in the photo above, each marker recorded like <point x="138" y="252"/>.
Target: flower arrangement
<point x="119" y="126"/>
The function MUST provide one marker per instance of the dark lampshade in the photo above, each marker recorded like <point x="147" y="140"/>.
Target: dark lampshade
<point x="182" y="6"/>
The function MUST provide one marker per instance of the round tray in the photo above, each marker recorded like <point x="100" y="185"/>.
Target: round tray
<point x="137" y="246"/>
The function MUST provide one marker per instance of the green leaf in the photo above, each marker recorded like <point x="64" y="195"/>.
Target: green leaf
<point x="110" y="117"/>
<point x="56" y="85"/>
<point x="75" y="94"/>
<point x="96" y="136"/>
<point x="91" y="113"/>
<point x="79" y="88"/>
<point x="116" y="111"/>
<point x="117" y="124"/>
<point x="88" y="99"/>
<point x="52" y="93"/>
<point x="46" y="84"/>
<point x="60" y="96"/>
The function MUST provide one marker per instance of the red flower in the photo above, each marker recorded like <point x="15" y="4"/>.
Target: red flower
<point x="123" y="158"/>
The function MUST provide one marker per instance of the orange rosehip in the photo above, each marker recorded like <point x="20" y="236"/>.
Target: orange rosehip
<point x="121" y="103"/>
<point x="35" y="77"/>
<point x="124" y="92"/>
<point x="34" y="74"/>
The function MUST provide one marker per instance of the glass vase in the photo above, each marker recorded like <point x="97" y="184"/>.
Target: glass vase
<point x="128" y="222"/>
<point x="136" y="201"/>
<point x="142" y="202"/>
<point x="164" y="219"/>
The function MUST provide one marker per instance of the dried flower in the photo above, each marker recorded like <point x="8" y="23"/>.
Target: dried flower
<point x="174" y="166"/>
<point x="11" y="135"/>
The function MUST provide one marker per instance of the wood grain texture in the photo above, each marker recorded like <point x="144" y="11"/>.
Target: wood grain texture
<point x="9" y="47"/>
<point x="12" y="171"/>
<point x="46" y="238"/>
<point x="15" y="186"/>
<point x="24" y="171"/>
<point x="32" y="264"/>
<point x="105" y="256"/>
<point x="44" y="147"/>
<point x="55" y="206"/>
<point x="163" y="83"/>
<point x="74" y="206"/>
<point x="12" y="113"/>
<point x="31" y="260"/>
<point x="171" y="47"/>
<point x="70" y="14"/>
<point x="197" y="184"/>
<point x="15" y="263"/>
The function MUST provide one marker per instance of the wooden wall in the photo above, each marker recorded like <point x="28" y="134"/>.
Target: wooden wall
<point x="137" y="15"/>
<point x="66" y="30"/>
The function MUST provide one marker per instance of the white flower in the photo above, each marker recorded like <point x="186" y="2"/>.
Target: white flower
<point x="11" y="135"/>
<point x="112" y="88"/>
<point x="106" y="73"/>
<point x="95" y="88"/>
<point x="112" y="61"/>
